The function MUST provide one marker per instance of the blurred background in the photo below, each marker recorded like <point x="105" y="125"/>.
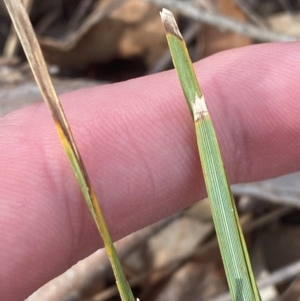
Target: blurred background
<point x="93" y="42"/>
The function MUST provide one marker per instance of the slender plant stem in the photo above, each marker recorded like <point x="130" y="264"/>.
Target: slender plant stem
<point x="233" y="249"/>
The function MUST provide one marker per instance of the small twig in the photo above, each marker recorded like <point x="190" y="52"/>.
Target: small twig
<point x="256" y="192"/>
<point x="244" y="6"/>
<point x="12" y="41"/>
<point x="78" y="15"/>
<point x="280" y="276"/>
<point x="267" y="219"/>
<point x="286" y="4"/>
<point x="195" y="13"/>
<point x="71" y="39"/>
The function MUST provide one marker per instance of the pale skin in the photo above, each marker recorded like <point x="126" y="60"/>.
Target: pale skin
<point x="137" y="140"/>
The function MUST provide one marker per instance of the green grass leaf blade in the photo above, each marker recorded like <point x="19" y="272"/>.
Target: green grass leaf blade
<point x="38" y="66"/>
<point x="234" y="252"/>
